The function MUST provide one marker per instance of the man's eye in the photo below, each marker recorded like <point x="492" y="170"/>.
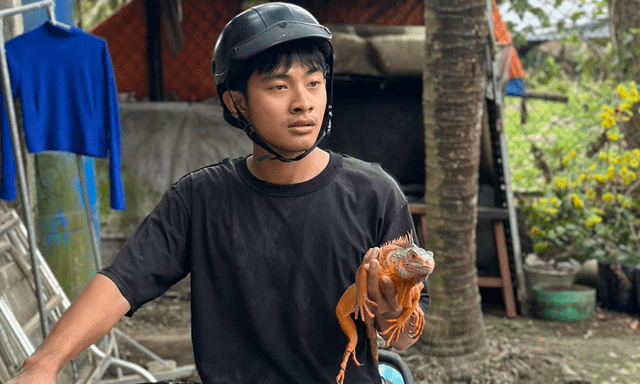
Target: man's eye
<point x="278" y="87"/>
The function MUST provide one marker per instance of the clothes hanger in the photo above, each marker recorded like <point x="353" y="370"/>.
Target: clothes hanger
<point x="59" y="24"/>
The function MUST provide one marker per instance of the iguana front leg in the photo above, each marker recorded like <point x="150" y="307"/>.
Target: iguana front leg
<point x="398" y="324"/>
<point x="362" y="295"/>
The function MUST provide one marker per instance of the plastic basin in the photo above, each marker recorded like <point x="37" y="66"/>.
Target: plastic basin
<point x="561" y="303"/>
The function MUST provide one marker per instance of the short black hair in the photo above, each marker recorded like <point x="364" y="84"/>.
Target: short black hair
<point x="307" y="52"/>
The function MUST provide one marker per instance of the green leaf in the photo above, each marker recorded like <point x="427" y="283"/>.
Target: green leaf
<point x="577" y="15"/>
<point x="519" y="6"/>
<point x="560" y="25"/>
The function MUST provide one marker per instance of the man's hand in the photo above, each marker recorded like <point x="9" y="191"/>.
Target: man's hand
<point x="32" y="374"/>
<point x="382" y="292"/>
<point x="383" y="297"/>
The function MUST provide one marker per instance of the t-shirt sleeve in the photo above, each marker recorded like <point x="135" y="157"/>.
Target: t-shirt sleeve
<point x="400" y="222"/>
<point x="156" y="256"/>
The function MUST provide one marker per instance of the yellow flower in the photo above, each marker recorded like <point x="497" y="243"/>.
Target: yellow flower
<point x="542" y="200"/>
<point x="613" y="136"/>
<point x="593" y="220"/>
<point x="540" y="246"/>
<point x="611" y="173"/>
<point x="624" y="107"/>
<point x="569" y="156"/>
<point x="609" y="110"/>
<point x="623" y="92"/>
<point x="593" y="167"/>
<point x="635" y="97"/>
<point x="608" y="197"/>
<point x="577" y="201"/>
<point x="591" y="194"/>
<point x="607" y="120"/>
<point x="554" y="201"/>
<point x="600" y="178"/>
<point x="550" y="211"/>
<point x="536" y="231"/>
<point x="562" y="182"/>
<point x="627" y="176"/>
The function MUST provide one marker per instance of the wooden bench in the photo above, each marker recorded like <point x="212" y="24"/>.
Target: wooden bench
<point x="503" y="280"/>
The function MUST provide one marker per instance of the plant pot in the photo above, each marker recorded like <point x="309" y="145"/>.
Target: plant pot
<point x="559" y="303"/>
<point x="588" y="274"/>
<point x="537" y="276"/>
<point x="616" y="287"/>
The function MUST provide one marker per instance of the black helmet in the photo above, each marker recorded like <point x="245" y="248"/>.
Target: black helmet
<point x="256" y="30"/>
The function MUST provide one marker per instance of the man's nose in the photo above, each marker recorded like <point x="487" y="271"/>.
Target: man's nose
<point x="302" y="101"/>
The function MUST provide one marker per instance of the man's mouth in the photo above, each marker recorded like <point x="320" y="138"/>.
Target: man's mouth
<point x="302" y="124"/>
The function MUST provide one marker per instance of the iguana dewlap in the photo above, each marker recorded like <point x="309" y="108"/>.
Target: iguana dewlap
<point x="407" y="265"/>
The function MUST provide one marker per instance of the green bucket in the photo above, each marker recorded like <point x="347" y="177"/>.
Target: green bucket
<point x="561" y="303"/>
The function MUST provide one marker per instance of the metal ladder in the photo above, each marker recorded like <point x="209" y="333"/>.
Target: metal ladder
<point x="16" y="345"/>
<point x="20" y="241"/>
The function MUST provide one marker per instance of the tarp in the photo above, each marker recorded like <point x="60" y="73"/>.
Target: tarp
<point x="164" y="141"/>
<point x="510" y="59"/>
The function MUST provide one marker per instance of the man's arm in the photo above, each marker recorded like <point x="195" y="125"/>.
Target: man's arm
<point x="90" y="317"/>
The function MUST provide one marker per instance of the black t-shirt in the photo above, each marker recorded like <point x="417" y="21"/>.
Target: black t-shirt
<point x="268" y="265"/>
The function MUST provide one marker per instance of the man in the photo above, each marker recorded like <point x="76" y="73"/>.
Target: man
<point x="271" y="240"/>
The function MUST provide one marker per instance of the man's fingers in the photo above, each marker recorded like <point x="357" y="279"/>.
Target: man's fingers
<point x="390" y="290"/>
<point x="372" y="254"/>
<point x="373" y="281"/>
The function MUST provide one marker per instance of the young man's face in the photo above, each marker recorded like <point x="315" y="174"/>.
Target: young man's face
<point x="286" y="108"/>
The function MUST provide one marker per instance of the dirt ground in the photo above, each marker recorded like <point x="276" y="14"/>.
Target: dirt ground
<point x="604" y="349"/>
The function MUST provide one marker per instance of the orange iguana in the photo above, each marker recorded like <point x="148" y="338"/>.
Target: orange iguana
<point x="407" y="265"/>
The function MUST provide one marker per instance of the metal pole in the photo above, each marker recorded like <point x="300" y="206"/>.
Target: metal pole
<point x="87" y="208"/>
<point x="154" y="50"/>
<point x="22" y="178"/>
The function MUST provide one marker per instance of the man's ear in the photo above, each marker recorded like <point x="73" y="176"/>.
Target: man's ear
<point x="237" y="103"/>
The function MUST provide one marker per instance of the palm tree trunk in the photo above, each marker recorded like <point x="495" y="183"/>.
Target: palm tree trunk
<point x="454" y="101"/>
<point x="624" y="20"/>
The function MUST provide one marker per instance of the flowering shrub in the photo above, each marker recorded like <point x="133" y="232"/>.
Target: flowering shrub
<point x="592" y="206"/>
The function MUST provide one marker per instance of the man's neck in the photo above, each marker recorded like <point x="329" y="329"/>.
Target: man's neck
<point x="278" y="172"/>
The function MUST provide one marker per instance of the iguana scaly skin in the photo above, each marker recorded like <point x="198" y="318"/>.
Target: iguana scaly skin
<point x="407" y="265"/>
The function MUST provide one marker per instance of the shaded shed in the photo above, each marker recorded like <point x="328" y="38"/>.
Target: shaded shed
<point x="379" y="49"/>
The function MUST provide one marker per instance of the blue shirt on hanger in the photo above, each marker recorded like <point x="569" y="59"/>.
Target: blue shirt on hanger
<point x="68" y="96"/>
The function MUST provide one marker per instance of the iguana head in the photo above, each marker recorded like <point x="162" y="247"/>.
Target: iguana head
<point x="409" y="260"/>
<point x="412" y="262"/>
